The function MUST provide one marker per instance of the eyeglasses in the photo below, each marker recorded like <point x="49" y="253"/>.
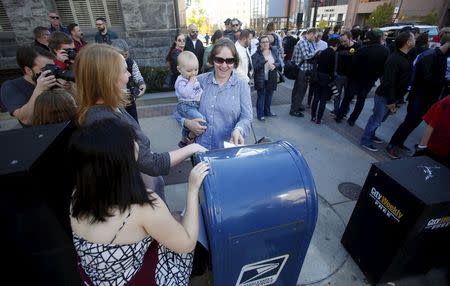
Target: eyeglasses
<point x="54" y="17"/>
<point x="220" y="61"/>
<point x="181" y="40"/>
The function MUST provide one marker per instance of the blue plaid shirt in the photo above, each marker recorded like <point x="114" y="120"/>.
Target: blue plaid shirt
<point x="304" y="50"/>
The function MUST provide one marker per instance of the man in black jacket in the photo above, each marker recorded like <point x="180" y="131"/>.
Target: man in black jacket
<point x="193" y="44"/>
<point x="367" y="67"/>
<point x="428" y="80"/>
<point x="393" y="87"/>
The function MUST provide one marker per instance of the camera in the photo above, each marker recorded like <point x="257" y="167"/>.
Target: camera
<point x="59" y="73"/>
<point x="134" y="91"/>
<point x="71" y="54"/>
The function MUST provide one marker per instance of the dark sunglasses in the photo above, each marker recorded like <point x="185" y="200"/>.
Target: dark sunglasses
<point x="220" y="61"/>
<point x="194" y="31"/>
<point x="54" y="17"/>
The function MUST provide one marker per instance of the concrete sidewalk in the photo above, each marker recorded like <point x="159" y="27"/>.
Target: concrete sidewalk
<point x="334" y="156"/>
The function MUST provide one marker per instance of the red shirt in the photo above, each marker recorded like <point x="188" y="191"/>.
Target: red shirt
<point x="60" y="64"/>
<point x="438" y="117"/>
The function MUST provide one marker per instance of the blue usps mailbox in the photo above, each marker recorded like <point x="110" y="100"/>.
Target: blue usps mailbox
<point x="259" y="206"/>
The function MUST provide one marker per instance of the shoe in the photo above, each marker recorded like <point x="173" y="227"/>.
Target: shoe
<point x="370" y="147"/>
<point x="337" y="119"/>
<point x="377" y="139"/>
<point x="351" y="123"/>
<point x="271" y="115"/>
<point x="333" y="114"/>
<point x="296" y="113"/>
<point x="392" y="152"/>
<point x="301" y="109"/>
<point x="318" y="121"/>
<point x="261" y="118"/>
<point x="313" y="119"/>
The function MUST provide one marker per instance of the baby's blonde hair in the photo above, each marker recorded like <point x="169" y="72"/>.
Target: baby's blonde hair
<point x="186" y="58"/>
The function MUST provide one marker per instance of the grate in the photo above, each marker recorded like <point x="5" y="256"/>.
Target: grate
<point x="350" y="190"/>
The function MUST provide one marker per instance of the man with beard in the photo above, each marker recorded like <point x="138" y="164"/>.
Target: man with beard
<point x="18" y="95"/>
<point x="103" y="35"/>
<point x="77" y="36"/>
<point x="193" y="44"/>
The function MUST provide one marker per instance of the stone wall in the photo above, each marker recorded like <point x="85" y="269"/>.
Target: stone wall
<point x="149" y="28"/>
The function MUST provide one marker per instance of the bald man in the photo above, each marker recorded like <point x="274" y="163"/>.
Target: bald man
<point x="193" y="44"/>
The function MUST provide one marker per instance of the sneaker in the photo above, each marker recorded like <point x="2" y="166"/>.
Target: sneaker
<point x="333" y="114"/>
<point x="318" y="121"/>
<point x="296" y="113"/>
<point x="261" y="118"/>
<point x="377" y="139"/>
<point x="392" y="152"/>
<point x="337" y="119"/>
<point x="313" y="119"/>
<point x="351" y="123"/>
<point x="370" y="147"/>
<point x="271" y="114"/>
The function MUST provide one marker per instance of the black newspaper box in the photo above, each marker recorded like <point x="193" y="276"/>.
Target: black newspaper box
<point x="400" y="225"/>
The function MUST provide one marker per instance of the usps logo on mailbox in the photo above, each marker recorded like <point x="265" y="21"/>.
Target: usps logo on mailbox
<point x="263" y="272"/>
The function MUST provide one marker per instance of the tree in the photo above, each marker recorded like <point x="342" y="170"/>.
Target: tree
<point x="322" y="24"/>
<point x="382" y="15"/>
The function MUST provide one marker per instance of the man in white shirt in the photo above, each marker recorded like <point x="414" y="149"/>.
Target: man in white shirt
<point x="245" y="63"/>
<point x="319" y="44"/>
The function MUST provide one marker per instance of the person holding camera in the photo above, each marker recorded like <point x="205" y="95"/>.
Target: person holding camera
<point x="19" y="95"/>
<point x="136" y="86"/>
<point x="63" y="48"/>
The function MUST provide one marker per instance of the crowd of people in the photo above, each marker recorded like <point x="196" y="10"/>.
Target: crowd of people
<point x="118" y="204"/>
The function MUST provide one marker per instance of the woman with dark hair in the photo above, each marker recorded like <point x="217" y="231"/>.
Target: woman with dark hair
<point x="265" y="64"/>
<point x="171" y="59"/>
<point x="225" y="102"/>
<point x="102" y="77"/>
<point x="124" y="233"/>
<point x="54" y="106"/>
<point x="215" y="37"/>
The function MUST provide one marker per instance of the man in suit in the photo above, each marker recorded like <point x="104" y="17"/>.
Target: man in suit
<point x="193" y="44"/>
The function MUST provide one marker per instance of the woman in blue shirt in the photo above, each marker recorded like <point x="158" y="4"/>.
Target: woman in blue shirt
<point x="225" y="102"/>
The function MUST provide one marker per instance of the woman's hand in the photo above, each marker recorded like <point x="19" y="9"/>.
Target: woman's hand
<point x="236" y="137"/>
<point x="196" y="148"/>
<point x="195" y="125"/>
<point x="198" y="173"/>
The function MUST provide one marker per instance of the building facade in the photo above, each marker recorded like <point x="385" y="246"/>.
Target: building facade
<point x="405" y="11"/>
<point x="283" y="13"/>
<point x="332" y="12"/>
<point x="149" y="26"/>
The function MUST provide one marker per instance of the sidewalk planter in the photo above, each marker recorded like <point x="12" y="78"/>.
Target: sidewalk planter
<point x="259" y="205"/>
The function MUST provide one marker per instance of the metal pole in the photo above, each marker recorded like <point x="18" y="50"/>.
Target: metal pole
<point x="288" y="15"/>
<point x="316" y="7"/>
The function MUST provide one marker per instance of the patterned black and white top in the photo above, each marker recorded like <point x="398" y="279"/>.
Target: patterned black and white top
<point x="109" y="264"/>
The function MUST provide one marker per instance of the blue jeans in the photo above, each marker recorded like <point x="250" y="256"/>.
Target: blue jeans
<point x="342" y="86"/>
<point x="263" y="102"/>
<point x="380" y="113"/>
<point x="189" y="110"/>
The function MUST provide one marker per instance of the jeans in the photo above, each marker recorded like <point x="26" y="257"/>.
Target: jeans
<point x="189" y="110"/>
<point x="321" y="93"/>
<point x="361" y="94"/>
<point x="311" y="92"/>
<point x="298" y="92"/>
<point x="264" y="101"/>
<point x="380" y="113"/>
<point x="342" y="86"/>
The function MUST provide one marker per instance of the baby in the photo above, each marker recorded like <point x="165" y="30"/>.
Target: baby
<point x="189" y="92"/>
